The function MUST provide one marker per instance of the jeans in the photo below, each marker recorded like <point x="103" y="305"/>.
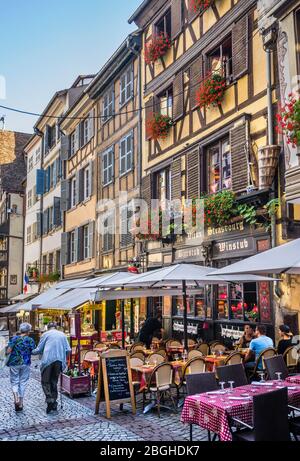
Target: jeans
<point x="19" y="377"/>
<point x="50" y="377"/>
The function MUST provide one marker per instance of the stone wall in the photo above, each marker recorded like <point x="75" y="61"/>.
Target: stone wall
<point x="12" y="161"/>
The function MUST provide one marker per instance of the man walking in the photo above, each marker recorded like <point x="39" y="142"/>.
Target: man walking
<point x="53" y="349"/>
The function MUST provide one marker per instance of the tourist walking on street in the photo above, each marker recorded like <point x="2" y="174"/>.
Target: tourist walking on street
<point x="54" y="350"/>
<point x="20" y="349"/>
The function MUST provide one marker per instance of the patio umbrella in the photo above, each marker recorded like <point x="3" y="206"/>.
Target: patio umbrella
<point x="282" y="259"/>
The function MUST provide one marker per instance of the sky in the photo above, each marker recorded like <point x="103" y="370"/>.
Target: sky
<point x="46" y="44"/>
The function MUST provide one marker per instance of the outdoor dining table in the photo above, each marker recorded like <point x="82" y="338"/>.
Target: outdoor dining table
<point x="294" y="379"/>
<point x="212" y="410"/>
<point x="212" y="361"/>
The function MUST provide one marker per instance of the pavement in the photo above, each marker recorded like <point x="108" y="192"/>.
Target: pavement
<point x="76" y="421"/>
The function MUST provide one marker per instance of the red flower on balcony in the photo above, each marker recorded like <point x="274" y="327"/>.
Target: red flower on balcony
<point x="158" y="126"/>
<point x="157" y="48"/>
<point x="212" y="90"/>
<point x="288" y="120"/>
<point x="200" y="5"/>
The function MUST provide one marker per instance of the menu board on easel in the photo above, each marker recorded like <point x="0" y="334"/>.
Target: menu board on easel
<point x="115" y="382"/>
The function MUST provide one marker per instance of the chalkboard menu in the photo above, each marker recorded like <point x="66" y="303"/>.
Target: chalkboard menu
<point x="114" y="381"/>
<point x="117" y="377"/>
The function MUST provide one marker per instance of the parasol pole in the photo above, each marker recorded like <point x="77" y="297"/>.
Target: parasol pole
<point x="185" y="332"/>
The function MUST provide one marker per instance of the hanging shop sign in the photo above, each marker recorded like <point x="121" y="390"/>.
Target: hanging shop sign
<point x="231" y="333"/>
<point x="115" y="381"/>
<point x="234" y="228"/>
<point x="234" y="248"/>
<point x="192" y="328"/>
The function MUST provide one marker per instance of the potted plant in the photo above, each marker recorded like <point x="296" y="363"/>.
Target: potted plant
<point x="54" y="276"/>
<point x="157" y="48"/>
<point x="212" y="90"/>
<point x="288" y="120"/>
<point x="159" y="126"/>
<point x="74" y="382"/>
<point x="200" y="5"/>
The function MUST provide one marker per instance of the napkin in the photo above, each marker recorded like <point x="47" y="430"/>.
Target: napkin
<point x="259" y="383"/>
<point x="239" y="398"/>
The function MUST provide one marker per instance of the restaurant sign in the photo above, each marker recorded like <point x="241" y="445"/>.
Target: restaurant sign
<point x="233" y="228"/>
<point x="192" y="328"/>
<point x="231" y="333"/>
<point x="234" y="248"/>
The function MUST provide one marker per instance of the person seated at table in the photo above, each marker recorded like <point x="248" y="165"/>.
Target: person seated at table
<point x="151" y="325"/>
<point x="247" y="337"/>
<point x="257" y="345"/>
<point x="285" y="339"/>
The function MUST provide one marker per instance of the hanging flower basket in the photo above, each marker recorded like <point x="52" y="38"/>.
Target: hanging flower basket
<point x="158" y="127"/>
<point x="211" y="91"/>
<point x="288" y="120"/>
<point x="200" y="5"/>
<point x="157" y="48"/>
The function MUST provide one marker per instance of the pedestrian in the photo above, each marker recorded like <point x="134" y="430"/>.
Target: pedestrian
<point x="151" y="325"/>
<point x="54" y="350"/>
<point x="19" y="350"/>
<point x="285" y="339"/>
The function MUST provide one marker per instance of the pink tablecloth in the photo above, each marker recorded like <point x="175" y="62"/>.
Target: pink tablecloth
<point x="211" y="411"/>
<point x="294" y="379"/>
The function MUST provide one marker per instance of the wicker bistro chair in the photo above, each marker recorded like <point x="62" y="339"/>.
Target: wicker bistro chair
<point x="156" y="359"/>
<point x="137" y="347"/>
<point x="266" y="354"/>
<point x="218" y="348"/>
<point x="136" y="362"/>
<point x="100" y="346"/>
<point x="291" y="358"/>
<point x="275" y="365"/>
<point x="198" y="384"/>
<point x="234" y="359"/>
<point x="192" y="343"/>
<point x="204" y="348"/>
<point x="194" y="353"/>
<point x="161" y="352"/>
<point x="114" y="346"/>
<point x="174" y="342"/>
<point x="194" y="366"/>
<point x="159" y="387"/>
<point x="138" y="355"/>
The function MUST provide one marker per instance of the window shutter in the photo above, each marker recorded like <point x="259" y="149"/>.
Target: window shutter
<point x="91" y="239"/>
<point x="176" y="18"/>
<point x="46" y="138"/>
<point x="196" y="76"/>
<point x="65" y="147"/>
<point x="91" y="174"/>
<point x="240" y="47"/>
<point x="176" y="179"/>
<point x="57" y="212"/>
<point x="80" y="185"/>
<point x="77" y="138"/>
<point x="65" y="195"/>
<point x="65" y="249"/>
<point x="54" y="173"/>
<point x="45" y="222"/>
<point x="146" y="190"/>
<point x="40" y="182"/>
<point x="80" y="255"/>
<point x="48" y="178"/>
<point x="148" y="115"/>
<point x="178" y="97"/>
<point x="239" y="159"/>
<point x="76" y="244"/>
<point x="39" y="229"/>
<point x="193" y="174"/>
<point x="192" y="12"/>
<point x="91" y="124"/>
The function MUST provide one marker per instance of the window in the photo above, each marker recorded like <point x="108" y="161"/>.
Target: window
<point x="126" y="86"/>
<point x="86" y="183"/>
<point x="108" y="104"/>
<point x="108" y="166"/>
<point x="72" y="247"/>
<point x="163" y="185"/>
<point x="38" y="155"/>
<point x="179" y="307"/>
<point x="238" y="302"/>
<point x="50" y="223"/>
<point x="85" y="131"/>
<point x="30" y="163"/>
<point x="126" y="154"/>
<point x="163" y="26"/>
<point x="29" y="199"/>
<point x="220" y="59"/>
<point x="73" y="192"/>
<point x="86" y="242"/>
<point x="29" y="235"/>
<point x="126" y="237"/>
<point x="44" y="265"/>
<point x="166" y="103"/>
<point x="219" y="164"/>
<point x="51" y="172"/>
<point x="108" y="232"/>
<point x="50" y="263"/>
<point x="222" y="302"/>
<point x="72" y="144"/>
<point x="57" y="261"/>
<point x="52" y="136"/>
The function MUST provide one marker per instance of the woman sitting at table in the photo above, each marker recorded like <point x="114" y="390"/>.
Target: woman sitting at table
<point x="285" y="339"/>
<point x="247" y="337"/>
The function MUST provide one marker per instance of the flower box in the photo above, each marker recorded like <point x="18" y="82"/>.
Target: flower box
<point x="75" y="385"/>
<point x="159" y="126"/>
<point x="288" y="120"/>
<point x="200" y="5"/>
<point x="157" y="48"/>
<point x="211" y="91"/>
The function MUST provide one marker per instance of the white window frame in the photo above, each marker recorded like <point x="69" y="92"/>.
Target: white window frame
<point x="86" y="242"/>
<point x="108" y="170"/>
<point x="38" y="155"/>
<point x="108" y="104"/>
<point x="72" y="247"/>
<point x="128" y="155"/>
<point x="86" y="131"/>
<point x="72" y="144"/>
<point x="29" y="199"/>
<point x="73" y="192"/>
<point x="29" y="235"/>
<point x="86" y="183"/>
<point x="127" y="87"/>
<point x="30" y="163"/>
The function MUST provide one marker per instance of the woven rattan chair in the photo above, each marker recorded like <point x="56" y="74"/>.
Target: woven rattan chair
<point x="156" y="359"/>
<point x="159" y="387"/>
<point x="204" y="348"/>
<point x="291" y="358"/>
<point x="234" y="359"/>
<point x="267" y="353"/>
<point x="138" y="355"/>
<point x="194" y="353"/>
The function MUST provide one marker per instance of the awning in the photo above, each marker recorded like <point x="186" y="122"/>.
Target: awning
<point x="45" y="297"/>
<point x="23" y="297"/>
<point x="68" y="301"/>
<point x="115" y="279"/>
<point x="282" y="259"/>
<point x="11" y="309"/>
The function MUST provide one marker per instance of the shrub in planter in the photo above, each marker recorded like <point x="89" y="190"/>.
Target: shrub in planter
<point x="157" y="48"/>
<point x="219" y="208"/>
<point x="288" y="120"/>
<point x="158" y="127"/>
<point x="211" y="91"/>
<point x="200" y="5"/>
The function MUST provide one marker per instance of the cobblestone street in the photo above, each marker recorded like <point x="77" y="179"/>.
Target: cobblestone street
<point x="77" y="422"/>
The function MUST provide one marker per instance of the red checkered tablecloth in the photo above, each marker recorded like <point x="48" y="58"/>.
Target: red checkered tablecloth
<point x="294" y="379"/>
<point x="211" y="412"/>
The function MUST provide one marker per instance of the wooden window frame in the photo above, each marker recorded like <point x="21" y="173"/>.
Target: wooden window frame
<point x="163" y="17"/>
<point x="128" y="84"/>
<point x="108" y="104"/>
<point x="220" y="144"/>
<point x="220" y="45"/>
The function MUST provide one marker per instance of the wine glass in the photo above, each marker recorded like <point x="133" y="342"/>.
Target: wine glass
<point x="262" y="376"/>
<point x="278" y="374"/>
<point x="222" y="384"/>
<point x="231" y="384"/>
